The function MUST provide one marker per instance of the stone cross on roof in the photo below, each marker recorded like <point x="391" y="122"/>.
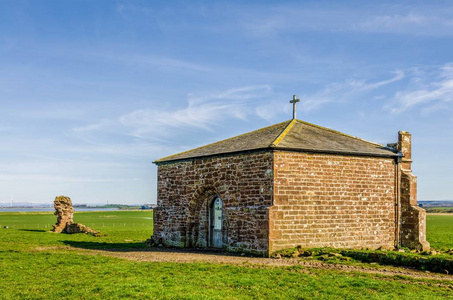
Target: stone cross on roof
<point x="294" y="101"/>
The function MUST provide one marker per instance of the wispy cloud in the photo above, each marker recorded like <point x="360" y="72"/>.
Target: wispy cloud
<point x="270" y="110"/>
<point x="124" y="8"/>
<point x="428" y="89"/>
<point x="424" y="20"/>
<point x="346" y="91"/>
<point x="59" y="114"/>
<point x="421" y="23"/>
<point x="45" y="178"/>
<point x="393" y="22"/>
<point x="203" y="111"/>
<point x="362" y="85"/>
<point x="157" y="60"/>
<point x="95" y="126"/>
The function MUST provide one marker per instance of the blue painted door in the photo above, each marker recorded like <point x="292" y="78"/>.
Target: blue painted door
<point x="216" y="223"/>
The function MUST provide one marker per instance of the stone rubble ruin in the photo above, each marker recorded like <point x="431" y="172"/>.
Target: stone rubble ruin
<point x="64" y="212"/>
<point x="65" y="223"/>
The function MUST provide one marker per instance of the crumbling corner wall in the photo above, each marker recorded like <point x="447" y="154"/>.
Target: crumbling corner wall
<point x="413" y="218"/>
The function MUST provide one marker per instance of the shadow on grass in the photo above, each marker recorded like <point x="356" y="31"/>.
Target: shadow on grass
<point x="141" y="246"/>
<point x="127" y="246"/>
<point x="32" y="230"/>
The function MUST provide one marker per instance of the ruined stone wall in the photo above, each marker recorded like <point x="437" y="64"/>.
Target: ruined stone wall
<point x="185" y="189"/>
<point x="332" y="200"/>
<point x="413" y="218"/>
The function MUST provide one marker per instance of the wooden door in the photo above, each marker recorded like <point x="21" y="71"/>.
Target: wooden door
<point x="216" y="223"/>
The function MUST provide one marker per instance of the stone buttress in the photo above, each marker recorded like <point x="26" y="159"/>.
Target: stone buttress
<point x="413" y="218"/>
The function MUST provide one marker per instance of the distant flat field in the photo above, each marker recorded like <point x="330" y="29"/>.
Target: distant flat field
<point x="37" y="264"/>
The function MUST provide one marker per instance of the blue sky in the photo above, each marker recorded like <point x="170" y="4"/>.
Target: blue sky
<point x="92" y="92"/>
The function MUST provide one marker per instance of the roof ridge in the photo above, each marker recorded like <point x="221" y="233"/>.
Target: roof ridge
<point x="342" y="133"/>
<point x="284" y="132"/>
<point x="215" y="143"/>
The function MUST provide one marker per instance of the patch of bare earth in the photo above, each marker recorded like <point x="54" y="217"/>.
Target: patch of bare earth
<point x="50" y="248"/>
<point x="181" y="256"/>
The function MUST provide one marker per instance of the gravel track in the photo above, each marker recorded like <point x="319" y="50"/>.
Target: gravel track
<point x="193" y="256"/>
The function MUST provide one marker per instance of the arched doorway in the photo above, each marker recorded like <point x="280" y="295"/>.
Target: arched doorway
<point x="215" y="228"/>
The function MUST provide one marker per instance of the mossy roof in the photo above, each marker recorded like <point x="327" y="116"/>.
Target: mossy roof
<point x="293" y="135"/>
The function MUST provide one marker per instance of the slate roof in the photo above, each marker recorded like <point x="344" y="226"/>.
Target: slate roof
<point x="295" y="135"/>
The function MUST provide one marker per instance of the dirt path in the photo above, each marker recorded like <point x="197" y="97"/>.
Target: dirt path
<point x="180" y="256"/>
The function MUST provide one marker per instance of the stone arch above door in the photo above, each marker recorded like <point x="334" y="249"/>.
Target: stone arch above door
<point x="198" y="217"/>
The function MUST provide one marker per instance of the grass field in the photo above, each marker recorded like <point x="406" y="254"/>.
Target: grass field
<point x="41" y="265"/>
<point x="439" y="231"/>
<point x="124" y="229"/>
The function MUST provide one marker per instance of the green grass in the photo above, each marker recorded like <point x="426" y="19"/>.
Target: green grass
<point x="41" y="265"/>
<point x="124" y="229"/>
<point x="439" y="231"/>
<point x="59" y="276"/>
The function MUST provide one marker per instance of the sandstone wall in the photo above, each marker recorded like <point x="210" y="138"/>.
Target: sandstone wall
<point x="413" y="218"/>
<point x="332" y="200"/>
<point x="186" y="188"/>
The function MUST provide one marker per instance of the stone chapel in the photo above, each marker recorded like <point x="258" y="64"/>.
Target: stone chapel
<point x="290" y="184"/>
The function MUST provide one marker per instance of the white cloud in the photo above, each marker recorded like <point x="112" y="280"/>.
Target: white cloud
<point x="159" y="61"/>
<point x="363" y="86"/>
<point x="126" y="8"/>
<point x="427" y="21"/>
<point x="154" y="132"/>
<point x="46" y="178"/>
<point x="53" y="113"/>
<point x="422" y="19"/>
<point x="95" y="126"/>
<point x="429" y="90"/>
<point x="269" y="111"/>
<point x="394" y="21"/>
<point x="347" y="90"/>
<point x="201" y="112"/>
